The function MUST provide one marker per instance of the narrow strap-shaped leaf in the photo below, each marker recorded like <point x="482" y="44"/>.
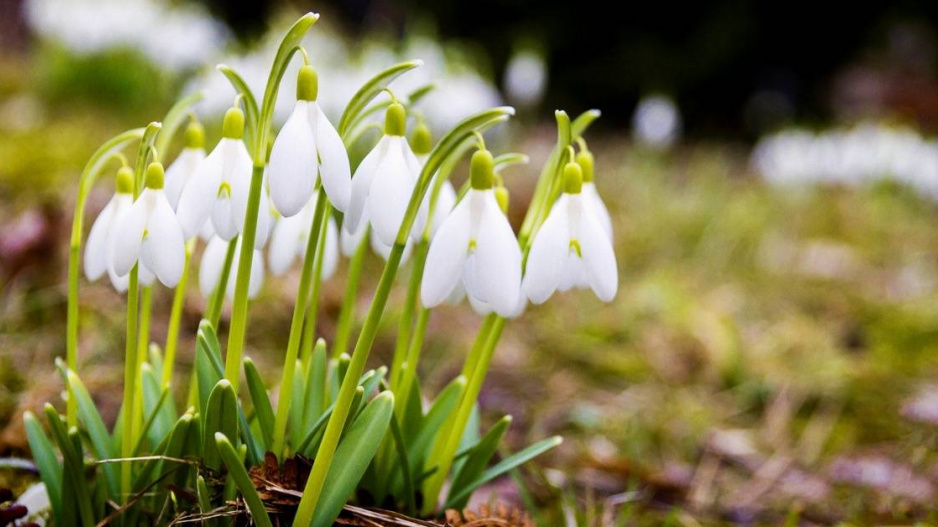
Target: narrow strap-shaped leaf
<point x="583" y="121"/>
<point x="310" y="442"/>
<point x="505" y="465"/>
<point x="74" y="486"/>
<point x="441" y="408"/>
<point x="221" y="416"/>
<point x="352" y="457"/>
<point x="50" y="470"/>
<point x="478" y="459"/>
<point x="251" y="111"/>
<point x="243" y="481"/>
<point x="97" y="432"/>
<point x="404" y="464"/>
<point x="205" y="498"/>
<point x="158" y="422"/>
<point x="315" y="400"/>
<point x="260" y="400"/>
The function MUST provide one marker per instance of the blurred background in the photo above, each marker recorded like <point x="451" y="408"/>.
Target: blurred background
<point x="771" y="168"/>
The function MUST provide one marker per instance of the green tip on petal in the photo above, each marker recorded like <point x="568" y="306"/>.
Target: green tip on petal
<point x="307" y="84"/>
<point x="501" y="195"/>
<point x="124" y="181"/>
<point x="233" y="127"/>
<point x="195" y="135"/>
<point x="395" y="120"/>
<point x="585" y="160"/>
<point x="572" y="178"/>
<point x="420" y="141"/>
<point x="154" y="177"/>
<point x="482" y="170"/>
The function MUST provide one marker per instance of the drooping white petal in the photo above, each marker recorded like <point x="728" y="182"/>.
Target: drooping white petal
<point x="415" y="167"/>
<point x="361" y="184"/>
<point x="479" y="306"/>
<point x="446" y="256"/>
<point x="197" y="197"/>
<point x="210" y="268"/>
<point x="237" y="173"/>
<point x="390" y="192"/>
<point x="498" y="260"/>
<point x="595" y="203"/>
<point x="293" y="163"/>
<point x="207" y="232"/>
<point x="331" y="251"/>
<point x="163" y="250"/>
<point x="128" y="236"/>
<point x="96" y="254"/>
<point x="548" y="256"/>
<point x="179" y="172"/>
<point x="334" y="170"/>
<point x="445" y="201"/>
<point x="144" y="276"/>
<point x="223" y="221"/>
<point x="599" y="259"/>
<point x="283" y="243"/>
<point x="573" y="274"/>
<point x="265" y="220"/>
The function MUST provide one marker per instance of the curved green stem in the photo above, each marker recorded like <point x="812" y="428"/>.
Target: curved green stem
<point x="89" y="175"/>
<point x="175" y="317"/>
<point x="296" y="324"/>
<point x="347" y="313"/>
<point x="143" y="342"/>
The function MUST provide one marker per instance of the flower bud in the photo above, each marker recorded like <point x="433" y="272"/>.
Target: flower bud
<point x="195" y="135"/>
<point x="307" y="84"/>
<point x="501" y="195"/>
<point x="124" y="180"/>
<point x="395" y="120"/>
<point x="572" y="178"/>
<point x="481" y="170"/>
<point x="154" y="178"/>
<point x="585" y="160"/>
<point x="233" y="126"/>
<point x="420" y="141"/>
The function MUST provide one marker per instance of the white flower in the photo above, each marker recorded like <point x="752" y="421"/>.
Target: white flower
<point x="179" y="172"/>
<point x="590" y="194"/>
<point x="149" y="232"/>
<point x="99" y="250"/>
<point x="213" y="263"/>
<point x="220" y="187"/>
<point x="476" y="245"/>
<point x="571" y="248"/>
<point x="289" y="240"/>
<point x="308" y="145"/>
<point x="348" y="241"/>
<point x="384" y="181"/>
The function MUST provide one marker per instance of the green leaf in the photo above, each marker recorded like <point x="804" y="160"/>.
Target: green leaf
<point x="209" y="369"/>
<point x="440" y="410"/>
<point x="261" y="402"/>
<point x="295" y="417"/>
<point x="97" y="432"/>
<point x="404" y="464"/>
<point x="315" y="401"/>
<point x="221" y="416"/>
<point x="241" y="478"/>
<point x="480" y="456"/>
<point x="158" y="422"/>
<point x="251" y="113"/>
<point x="504" y="466"/>
<point x="205" y="498"/>
<point x="174" y="118"/>
<point x="368" y="92"/>
<point x="352" y="458"/>
<point x="74" y="487"/>
<point x="50" y="470"/>
<point x="582" y="122"/>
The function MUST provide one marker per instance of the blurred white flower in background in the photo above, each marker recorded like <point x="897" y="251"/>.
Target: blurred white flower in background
<point x="853" y="156"/>
<point x="526" y="78"/>
<point x="657" y="121"/>
<point x="175" y="37"/>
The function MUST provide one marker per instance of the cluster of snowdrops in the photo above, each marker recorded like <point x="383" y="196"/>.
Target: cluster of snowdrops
<point x="374" y="437"/>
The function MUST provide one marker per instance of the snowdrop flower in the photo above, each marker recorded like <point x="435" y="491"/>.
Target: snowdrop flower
<point x="219" y="188"/>
<point x="421" y="143"/>
<point x="570" y="249"/>
<point x="149" y="232"/>
<point x="349" y="241"/>
<point x="179" y="172"/>
<point x="475" y="245"/>
<point x="526" y="77"/>
<point x="99" y="250"/>
<point x="289" y="240"/>
<point x="306" y="146"/>
<point x="657" y="122"/>
<point x="384" y="182"/>
<point x="213" y="263"/>
<point x="590" y="194"/>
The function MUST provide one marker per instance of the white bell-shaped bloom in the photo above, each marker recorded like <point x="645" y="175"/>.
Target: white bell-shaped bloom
<point x="289" y="240"/>
<point x="180" y="170"/>
<point x="308" y="145"/>
<point x="384" y="181"/>
<point x="220" y="187"/>
<point x="213" y="263"/>
<point x="590" y="195"/>
<point x="349" y="241"/>
<point x="571" y="248"/>
<point x="477" y="246"/>
<point x="149" y="232"/>
<point x="99" y="249"/>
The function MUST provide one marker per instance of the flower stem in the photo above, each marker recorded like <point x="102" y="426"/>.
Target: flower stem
<point x="347" y="313"/>
<point x="410" y="364"/>
<point x="296" y="324"/>
<point x="175" y="317"/>
<point x="130" y="384"/>
<point x="312" y="310"/>
<point x="143" y="342"/>
<point x="218" y="296"/>
<point x="407" y="315"/>
<point x="435" y="482"/>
